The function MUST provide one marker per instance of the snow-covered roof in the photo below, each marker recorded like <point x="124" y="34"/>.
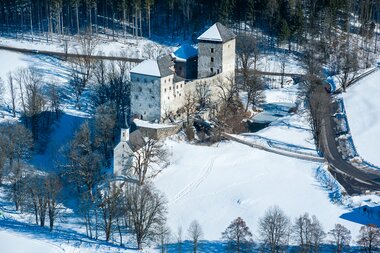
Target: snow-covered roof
<point x="218" y="33"/>
<point x="185" y="52"/>
<point x="147" y="67"/>
<point x="157" y="68"/>
<point x="147" y="124"/>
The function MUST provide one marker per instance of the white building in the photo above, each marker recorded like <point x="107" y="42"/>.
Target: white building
<point x="157" y="92"/>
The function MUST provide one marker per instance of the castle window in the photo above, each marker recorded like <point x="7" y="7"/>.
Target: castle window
<point x="181" y="85"/>
<point x="165" y="90"/>
<point x="212" y="70"/>
<point x="170" y="88"/>
<point x="212" y="59"/>
<point x="177" y="86"/>
<point x="217" y="71"/>
<point x="168" y="98"/>
<point x="212" y="50"/>
<point x="153" y="97"/>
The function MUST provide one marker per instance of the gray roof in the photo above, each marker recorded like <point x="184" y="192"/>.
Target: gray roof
<point x="164" y="64"/>
<point x="157" y="68"/>
<point x="218" y="33"/>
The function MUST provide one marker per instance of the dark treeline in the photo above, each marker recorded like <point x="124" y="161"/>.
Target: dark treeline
<point x="283" y="18"/>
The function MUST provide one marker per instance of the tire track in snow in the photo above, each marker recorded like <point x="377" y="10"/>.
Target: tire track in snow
<point x="195" y="183"/>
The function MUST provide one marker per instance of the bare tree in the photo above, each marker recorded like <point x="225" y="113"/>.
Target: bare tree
<point x="154" y="51"/>
<point x="228" y="91"/>
<point x="302" y="232"/>
<point x="13" y="92"/>
<point x="274" y="229"/>
<point x="230" y="112"/>
<point x="317" y="234"/>
<point x="195" y="234"/>
<point x="238" y="236"/>
<point x="110" y="197"/>
<point x="203" y="94"/>
<point x="17" y="141"/>
<point x="53" y="189"/>
<point x="255" y="91"/>
<point x="347" y="65"/>
<point x="340" y="237"/>
<point x="308" y="233"/>
<point x="105" y="130"/>
<point x="149" y="160"/>
<point x="54" y="98"/>
<point x="163" y="234"/>
<point x="82" y="64"/>
<point x="369" y="238"/>
<point x="84" y="163"/>
<point x="32" y="98"/>
<point x="248" y="52"/>
<point x="189" y="107"/>
<point x="179" y="239"/>
<point x="147" y="210"/>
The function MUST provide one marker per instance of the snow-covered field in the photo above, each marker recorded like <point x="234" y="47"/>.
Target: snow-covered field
<point x="217" y="184"/>
<point x="275" y="62"/>
<point x="130" y="47"/>
<point x="16" y="243"/>
<point x="363" y="113"/>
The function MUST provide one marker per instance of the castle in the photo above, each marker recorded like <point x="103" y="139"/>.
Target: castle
<point x="159" y="87"/>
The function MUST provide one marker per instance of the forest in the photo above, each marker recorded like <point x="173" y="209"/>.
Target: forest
<point x="286" y="19"/>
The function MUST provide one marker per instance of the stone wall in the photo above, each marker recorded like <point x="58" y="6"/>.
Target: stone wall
<point x="145" y="97"/>
<point x="210" y="58"/>
<point x="160" y="133"/>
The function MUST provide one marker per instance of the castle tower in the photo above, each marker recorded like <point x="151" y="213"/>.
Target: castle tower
<point x="155" y="89"/>
<point x="216" y="51"/>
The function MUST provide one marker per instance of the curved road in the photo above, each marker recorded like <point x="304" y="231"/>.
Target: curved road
<point x="353" y="179"/>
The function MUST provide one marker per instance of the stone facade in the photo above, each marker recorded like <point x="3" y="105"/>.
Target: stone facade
<point x="157" y="92"/>
<point x="146" y="96"/>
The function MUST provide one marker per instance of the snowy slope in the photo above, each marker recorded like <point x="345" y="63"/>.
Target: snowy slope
<point x="16" y="243"/>
<point x="363" y="112"/>
<point x="217" y="184"/>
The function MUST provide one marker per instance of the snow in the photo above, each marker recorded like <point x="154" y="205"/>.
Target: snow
<point x="363" y="113"/>
<point x="147" y="67"/>
<point x="17" y="243"/>
<point x="273" y="62"/>
<point x="185" y="52"/>
<point x="212" y="34"/>
<point x="264" y="117"/>
<point x="230" y="180"/>
<point x="146" y="124"/>
<point x="131" y="47"/>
